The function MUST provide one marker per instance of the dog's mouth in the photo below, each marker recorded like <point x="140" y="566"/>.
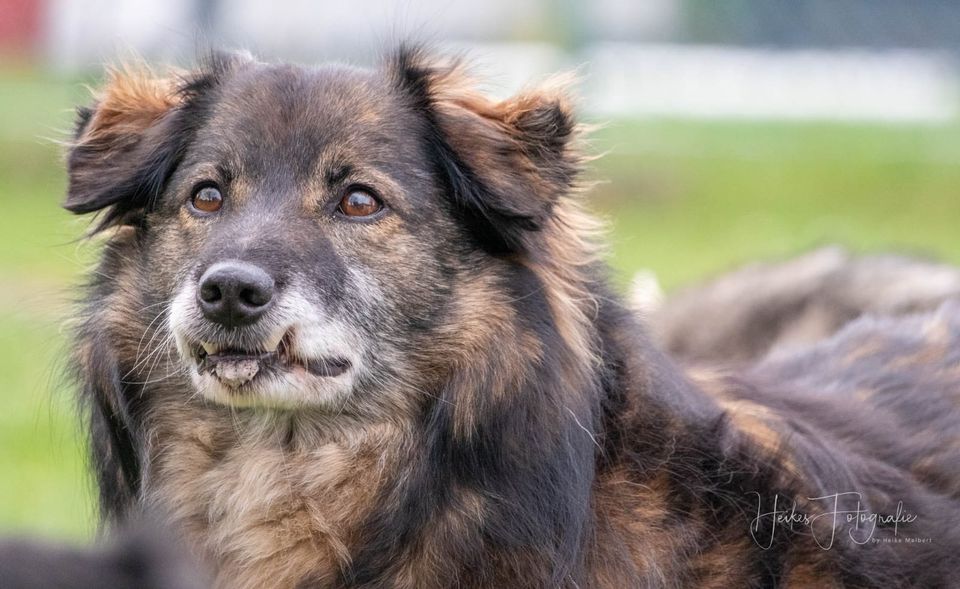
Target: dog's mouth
<point x="236" y="367"/>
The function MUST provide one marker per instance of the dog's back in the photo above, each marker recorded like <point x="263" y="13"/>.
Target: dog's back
<point x="740" y="316"/>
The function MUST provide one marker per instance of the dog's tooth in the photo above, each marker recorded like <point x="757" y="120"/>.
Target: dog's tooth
<point x="210" y="348"/>
<point x="274" y="340"/>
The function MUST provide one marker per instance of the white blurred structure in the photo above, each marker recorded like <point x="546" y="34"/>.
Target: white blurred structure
<point x="82" y="32"/>
<point x="712" y="82"/>
<point x="85" y="33"/>
<point x="626" y="51"/>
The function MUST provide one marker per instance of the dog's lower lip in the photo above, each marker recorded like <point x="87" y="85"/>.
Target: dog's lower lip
<point x="328" y="367"/>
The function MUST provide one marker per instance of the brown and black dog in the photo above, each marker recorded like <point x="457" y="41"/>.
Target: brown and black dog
<point x="350" y="329"/>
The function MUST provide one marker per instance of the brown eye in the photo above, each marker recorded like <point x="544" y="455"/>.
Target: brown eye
<point x="207" y="199"/>
<point x="359" y="203"/>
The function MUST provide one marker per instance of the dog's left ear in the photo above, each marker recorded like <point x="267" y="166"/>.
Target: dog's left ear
<point x="506" y="162"/>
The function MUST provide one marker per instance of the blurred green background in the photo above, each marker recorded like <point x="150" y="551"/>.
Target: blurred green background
<point x="684" y="199"/>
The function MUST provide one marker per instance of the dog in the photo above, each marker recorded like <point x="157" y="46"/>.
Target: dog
<point x="351" y="328"/>
<point x="142" y="555"/>
<point x="741" y="316"/>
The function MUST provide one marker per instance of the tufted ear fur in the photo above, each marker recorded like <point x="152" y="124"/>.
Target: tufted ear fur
<point x="124" y="147"/>
<point x="505" y="163"/>
<point x="129" y="142"/>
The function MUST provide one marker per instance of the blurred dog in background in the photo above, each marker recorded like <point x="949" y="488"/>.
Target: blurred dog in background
<point x="142" y="555"/>
<point x="740" y="316"/>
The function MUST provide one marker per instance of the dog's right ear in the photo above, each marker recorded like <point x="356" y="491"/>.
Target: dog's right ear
<point x="127" y="144"/>
<point x="131" y="140"/>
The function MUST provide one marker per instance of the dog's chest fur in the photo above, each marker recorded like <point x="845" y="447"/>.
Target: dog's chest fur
<point x="255" y="498"/>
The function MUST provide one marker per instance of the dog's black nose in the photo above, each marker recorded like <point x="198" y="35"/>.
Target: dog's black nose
<point x="234" y="293"/>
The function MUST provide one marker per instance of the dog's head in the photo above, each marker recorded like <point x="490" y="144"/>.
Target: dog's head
<point x="308" y="236"/>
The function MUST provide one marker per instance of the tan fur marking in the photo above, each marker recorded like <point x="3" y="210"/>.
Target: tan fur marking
<point x="268" y="516"/>
<point x="132" y="99"/>
<point x="807" y="576"/>
<point x="571" y="236"/>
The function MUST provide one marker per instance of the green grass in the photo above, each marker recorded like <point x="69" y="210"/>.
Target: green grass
<point x="688" y="199"/>
<point x="44" y="487"/>
<point x="685" y="199"/>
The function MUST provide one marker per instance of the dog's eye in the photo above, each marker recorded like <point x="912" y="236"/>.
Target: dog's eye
<point x="359" y="203"/>
<point x="207" y="199"/>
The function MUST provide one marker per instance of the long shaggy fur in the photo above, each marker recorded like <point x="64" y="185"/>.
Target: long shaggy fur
<point x="517" y="429"/>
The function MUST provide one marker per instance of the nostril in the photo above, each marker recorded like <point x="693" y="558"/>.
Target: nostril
<point x="256" y="296"/>
<point x="210" y="293"/>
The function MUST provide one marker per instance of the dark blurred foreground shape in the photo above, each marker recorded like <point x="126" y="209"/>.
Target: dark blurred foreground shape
<point x="142" y="557"/>
<point x="741" y="316"/>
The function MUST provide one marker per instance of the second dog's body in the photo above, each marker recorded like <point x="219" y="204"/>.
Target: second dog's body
<point x="742" y="315"/>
